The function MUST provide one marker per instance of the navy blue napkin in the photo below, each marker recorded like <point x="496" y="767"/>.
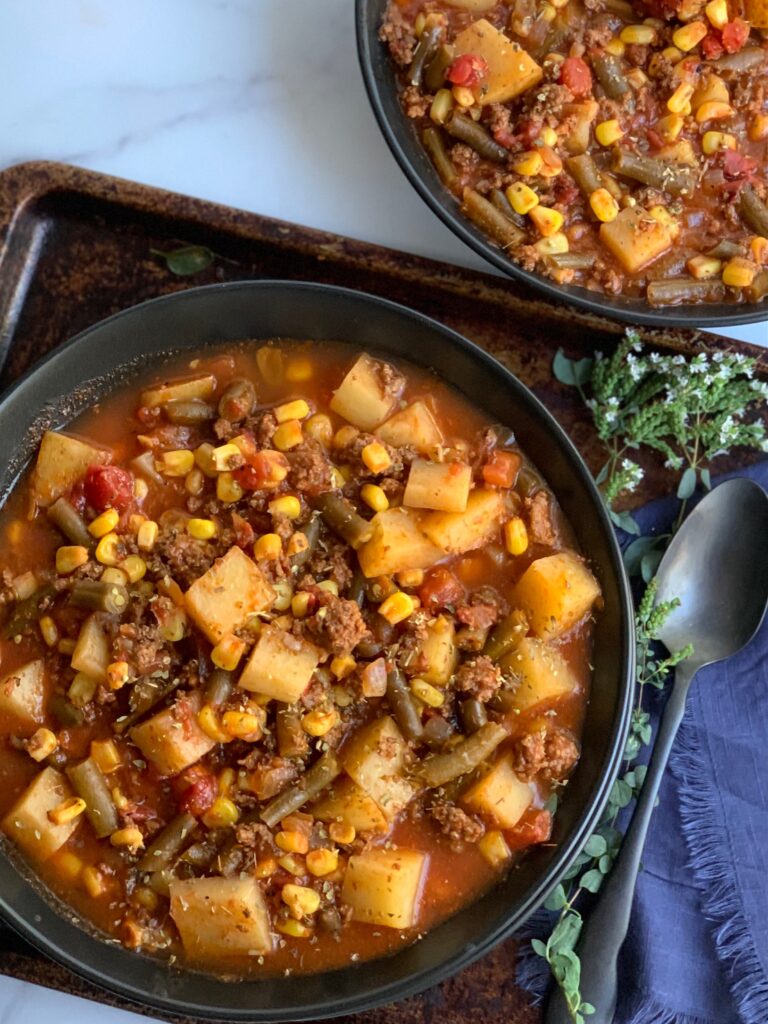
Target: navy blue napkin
<point x="697" y="947"/>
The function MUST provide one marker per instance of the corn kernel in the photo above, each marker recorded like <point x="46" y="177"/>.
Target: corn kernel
<point x="515" y="536"/>
<point x="147" y="535"/>
<point x="129" y="837"/>
<point x="288" y="435"/>
<point x="441" y="107"/>
<point x="345" y="436"/>
<point x="608" y="132"/>
<point x="410" y="577"/>
<point x="758" y="128"/>
<point x="292" y="841"/>
<point x="739" y="273"/>
<point x="603" y="205"/>
<point x="374" y="497"/>
<point x="70" y="557"/>
<point x="297" y="543"/>
<point x="548" y="221"/>
<point x="713" y="142"/>
<point x="268" y="546"/>
<point x="689" y="36"/>
<point x="226" y="457"/>
<point x="265" y="867"/>
<point x="296" y="410"/>
<point x="226" y="780"/>
<point x="243" y="725"/>
<point x="106" y="755"/>
<point x="222" y="814"/>
<point x="547" y="12"/>
<point x="330" y="585"/>
<point x="662" y="215"/>
<point x="67" y="810"/>
<point x="680" y="98"/>
<point x="322" y="862"/>
<point x="672" y="54"/>
<point x="397" y="607"/>
<point x="300" y="900"/>
<point x="66" y="646"/>
<point x="111" y="574"/>
<point x="104" y="523"/>
<point x="462" y="96"/>
<point x="704" y="267"/>
<point x="202" y="529"/>
<point x="293" y="929"/>
<point x="320" y="429"/>
<point x="208" y="720"/>
<point x="758" y="248"/>
<point x="41" y="744"/>
<point x="376" y="457"/>
<point x="338" y="480"/>
<point x="714" y="110"/>
<point x="669" y="127"/>
<point x="48" y="630"/>
<point x="299" y="369"/>
<point x="146" y="898"/>
<point x="341" y="833"/>
<point x="427" y="692"/>
<point x="228" y="652"/>
<point x="494" y="849"/>
<point x="320" y="721"/>
<point x="94" y="882"/>
<point x="176" y="463"/>
<point x="24" y="585"/>
<point x="300" y="604"/>
<point x="108" y="549"/>
<point x="616" y="47"/>
<point x="68" y="864"/>
<point x="717" y="13"/>
<point x="293" y="863"/>
<point x="82" y="690"/>
<point x="286" y="505"/>
<point x="228" y="489"/>
<point x="522" y="198"/>
<point x="529" y="163"/>
<point x="640" y="35"/>
<point x="119" y="799"/>
<point x="118" y="674"/>
<point x="203" y="459"/>
<point x="342" y="665"/>
<point x="553" y="245"/>
<point x="548" y="136"/>
<point x="134" y="567"/>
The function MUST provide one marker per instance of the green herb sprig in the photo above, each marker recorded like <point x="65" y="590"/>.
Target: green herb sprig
<point x="186" y="260"/>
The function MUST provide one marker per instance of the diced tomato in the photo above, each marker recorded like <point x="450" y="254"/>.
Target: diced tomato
<point x="735" y="34"/>
<point x="712" y="46"/>
<point x="196" y="789"/>
<point x="576" y="76"/>
<point x="654" y="138"/>
<point x="535" y="826"/>
<point x="737" y="168"/>
<point x="505" y="137"/>
<point x="529" y="131"/>
<point x="244" y="532"/>
<point x="440" y="587"/>
<point x="501" y="469"/>
<point x="108" y="487"/>
<point x="259" y="471"/>
<point x="468" y="69"/>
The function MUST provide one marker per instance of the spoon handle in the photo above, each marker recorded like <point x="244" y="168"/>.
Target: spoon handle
<point x="606" y="928"/>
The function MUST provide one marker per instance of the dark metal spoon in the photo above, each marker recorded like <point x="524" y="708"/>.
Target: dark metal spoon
<point x="717" y="564"/>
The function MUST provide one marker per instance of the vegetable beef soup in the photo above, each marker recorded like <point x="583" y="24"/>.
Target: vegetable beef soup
<point x="295" y="657"/>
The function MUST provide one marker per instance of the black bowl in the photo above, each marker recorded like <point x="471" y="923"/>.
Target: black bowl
<point x="85" y="370"/>
<point x="379" y="75"/>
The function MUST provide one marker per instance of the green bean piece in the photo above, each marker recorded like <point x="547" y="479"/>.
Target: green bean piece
<point x="584" y="172"/>
<point x="649" y="170"/>
<point x="329" y="920"/>
<point x="464" y="757"/>
<point x="434" y="71"/>
<point x="424" y="52"/>
<point x="676" y="291"/>
<point x="160" y="881"/>
<point x="473" y="715"/>
<point x="488" y="218"/>
<point x="570" y="260"/>
<point x="753" y="211"/>
<point x="311" y="531"/>
<point x="528" y="482"/>
<point x="759" y="287"/>
<point x="199" y="855"/>
<point x="237" y="400"/>
<point x="89" y="783"/>
<point x="292" y="741"/>
<point x="610" y="75"/>
<point x="167" y="846"/>
<point x="725" y="250"/>
<point x="189" y="413"/>
<point x="144" y="465"/>
<point x="435" y="147"/>
<point x="622" y="9"/>
<point x="66" y="517"/>
<point x="437" y="732"/>
<point x="404" y="706"/>
<point x="503" y="701"/>
<point x="26" y="613"/>
<point x="342" y="517"/>
<point x="65" y="712"/>
<point x="218" y="687"/>
<point x="475" y="135"/>
<point x="472" y="638"/>
<point x="356" y="590"/>
<point x="146" y="693"/>
<point x="313" y="781"/>
<point x="746" y="59"/>
<point x="504" y="206"/>
<point x="99" y="596"/>
<point x="507" y="634"/>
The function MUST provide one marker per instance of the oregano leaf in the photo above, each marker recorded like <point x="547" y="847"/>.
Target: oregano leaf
<point x="539" y="947"/>
<point x="706" y="479"/>
<point x="687" y="485"/>
<point x="563" y="368"/>
<point x="595" y="846"/>
<point x="556" y="899"/>
<point x="186" y="260"/>
<point x="591" y="880"/>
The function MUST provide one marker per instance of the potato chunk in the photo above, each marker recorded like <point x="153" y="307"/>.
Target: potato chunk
<point x="27" y="822"/>
<point x="346" y="802"/>
<point x="222" y="599"/>
<point x="200" y="387"/>
<point x="510" y="69"/>
<point x="61" y="462"/>
<point x="580" y="117"/>
<point x="383" y="887"/>
<point x="555" y="593"/>
<point x="374" y="758"/>
<point x="756" y="13"/>
<point x="543" y="674"/>
<point x="22" y="695"/>
<point x="91" y="654"/>
<point x="457" y="532"/>
<point x="280" y="666"/>
<point x="499" y="795"/>
<point x="438" y="485"/>
<point x="398" y="543"/>
<point x="436" y="659"/>
<point x="636" y="238"/>
<point x="364" y="397"/>
<point x="172" y="740"/>
<point x="219" y="917"/>
<point x="415" y="425"/>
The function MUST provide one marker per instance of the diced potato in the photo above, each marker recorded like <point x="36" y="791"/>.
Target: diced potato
<point x="27" y="822"/>
<point x="499" y="795"/>
<point x="415" y="425"/>
<point x="438" y="485"/>
<point x="374" y="758"/>
<point x="580" y="117"/>
<point x="222" y="599"/>
<point x="542" y="673"/>
<point x="511" y="71"/>
<point x="91" y="654"/>
<point x="201" y="387"/>
<point x="346" y="802"/>
<point x="436" y="660"/>
<point x="22" y="696"/>
<point x="555" y="593"/>
<point x="756" y="13"/>
<point x="220" y="917"/>
<point x="456" y="532"/>
<point x="280" y="666"/>
<point x="383" y="887"/>
<point x="61" y="462"/>
<point x="680" y="152"/>
<point x="636" y="239"/>
<point x="362" y="397"/>
<point x="398" y="543"/>
<point x="172" y="740"/>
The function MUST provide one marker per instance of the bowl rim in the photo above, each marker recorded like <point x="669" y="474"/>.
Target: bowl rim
<point x="72" y="940"/>
<point x="403" y="147"/>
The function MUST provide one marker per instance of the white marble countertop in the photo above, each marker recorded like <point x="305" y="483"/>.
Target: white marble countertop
<point x="254" y="103"/>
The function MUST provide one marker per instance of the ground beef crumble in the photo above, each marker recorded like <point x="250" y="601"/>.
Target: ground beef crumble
<point x="337" y="625"/>
<point x="540" y="525"/>
<point x="550" y="753"/>
<point x="455" y="823"/>
<point x="479" y="677"/>
<point x="310" y="471"/>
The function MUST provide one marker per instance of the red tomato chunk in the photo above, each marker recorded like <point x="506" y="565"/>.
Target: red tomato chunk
<point x="109" y="487"/>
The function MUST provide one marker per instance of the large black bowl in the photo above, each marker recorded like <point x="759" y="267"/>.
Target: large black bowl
<point x="85" y="370"/>
<point x="379" y="74"/>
